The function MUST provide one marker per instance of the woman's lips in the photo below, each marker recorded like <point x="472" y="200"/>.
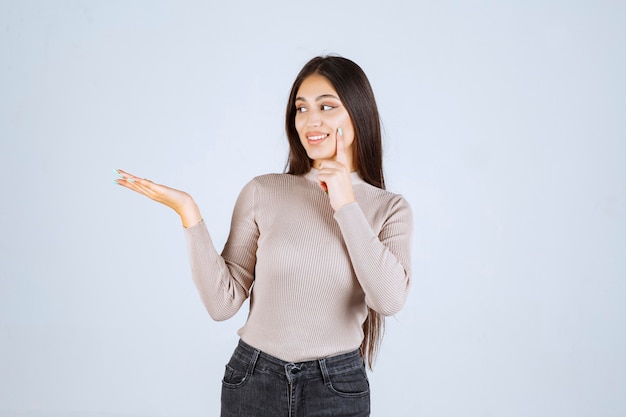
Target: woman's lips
<point x="316" y="137"/>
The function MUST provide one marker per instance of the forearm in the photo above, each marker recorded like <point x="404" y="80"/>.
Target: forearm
<point x="223" y="281"/>
<point x="381" y="259"/>
<point x="221" y="293"/>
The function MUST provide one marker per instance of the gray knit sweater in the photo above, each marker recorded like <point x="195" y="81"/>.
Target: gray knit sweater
<point x="310" y="272"/>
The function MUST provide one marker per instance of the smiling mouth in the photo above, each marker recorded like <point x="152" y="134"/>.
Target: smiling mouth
<point x="317" y="138"/>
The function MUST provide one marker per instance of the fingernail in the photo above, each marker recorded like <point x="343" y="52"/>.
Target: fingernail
<point x="118" y="173"/>
<point x="130" y="179"/>
<point x="115" y="181"/>
<point x="340" y="131"/>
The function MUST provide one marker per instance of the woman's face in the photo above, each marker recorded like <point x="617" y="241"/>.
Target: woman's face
<point x="319" y="113"/>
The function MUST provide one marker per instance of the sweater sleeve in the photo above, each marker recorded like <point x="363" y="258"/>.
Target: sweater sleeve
<point x="224" y="281"/>
<point x="380" y="259"/>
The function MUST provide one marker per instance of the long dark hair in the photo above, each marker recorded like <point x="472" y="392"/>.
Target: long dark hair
<point x="355" y="92"/>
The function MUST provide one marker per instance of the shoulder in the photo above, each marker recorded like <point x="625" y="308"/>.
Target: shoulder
<point x="271" y="184"/>
<point x="275" y="181"/>
<point x="273" y="178"/>
<point x="383" y="206"/>
<point x="381" y="197"/>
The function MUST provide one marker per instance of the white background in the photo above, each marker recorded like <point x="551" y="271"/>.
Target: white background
<point x="505" y="129"/>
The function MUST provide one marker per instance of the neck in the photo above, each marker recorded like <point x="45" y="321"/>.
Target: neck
<point x="354" y="175"/>
<point x="316" y="164"/>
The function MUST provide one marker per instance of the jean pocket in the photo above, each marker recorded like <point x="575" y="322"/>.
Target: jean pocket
<point x="351" y="383"/>
<point x="235" y="374"/>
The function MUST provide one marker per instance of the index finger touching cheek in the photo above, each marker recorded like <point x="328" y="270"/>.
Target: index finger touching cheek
<point x="342" y="157"/>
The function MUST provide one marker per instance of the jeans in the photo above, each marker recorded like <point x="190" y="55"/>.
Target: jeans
<point x="256" y="384"/>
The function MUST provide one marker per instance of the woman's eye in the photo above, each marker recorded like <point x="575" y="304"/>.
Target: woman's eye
<point x="326" y="107"/>
<point x="300" y="109"/>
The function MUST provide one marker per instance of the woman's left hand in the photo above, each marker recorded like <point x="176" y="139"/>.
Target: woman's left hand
<point x="334" y="175"/>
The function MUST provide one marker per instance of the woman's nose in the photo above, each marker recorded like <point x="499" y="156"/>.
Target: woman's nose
<point x="314" y="119"/>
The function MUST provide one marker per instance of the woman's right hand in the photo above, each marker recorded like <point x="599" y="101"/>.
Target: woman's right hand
<point x="179" y="201"/>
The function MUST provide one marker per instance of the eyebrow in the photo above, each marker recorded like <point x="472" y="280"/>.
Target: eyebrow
<point x="318" y="98"/>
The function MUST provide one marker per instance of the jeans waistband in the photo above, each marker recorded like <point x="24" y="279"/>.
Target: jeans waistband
<point x="260" y="361"/>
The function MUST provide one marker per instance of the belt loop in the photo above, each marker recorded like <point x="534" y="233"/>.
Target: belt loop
<point x="322" y="363"/>
<point x="255" y="357"/>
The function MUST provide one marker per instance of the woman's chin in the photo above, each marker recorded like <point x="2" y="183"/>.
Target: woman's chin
<point x="316" y="156"/>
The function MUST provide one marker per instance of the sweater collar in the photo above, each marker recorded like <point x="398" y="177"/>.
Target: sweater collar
<point x="312" y="176"/>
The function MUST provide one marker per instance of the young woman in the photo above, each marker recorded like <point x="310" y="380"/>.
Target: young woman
<point x="323" y="252"/>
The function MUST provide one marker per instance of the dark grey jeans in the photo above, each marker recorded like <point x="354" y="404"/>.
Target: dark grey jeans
<point x="256" y="384"/>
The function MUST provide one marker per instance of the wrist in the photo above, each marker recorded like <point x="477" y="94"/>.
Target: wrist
<point x="189" y="212"/>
